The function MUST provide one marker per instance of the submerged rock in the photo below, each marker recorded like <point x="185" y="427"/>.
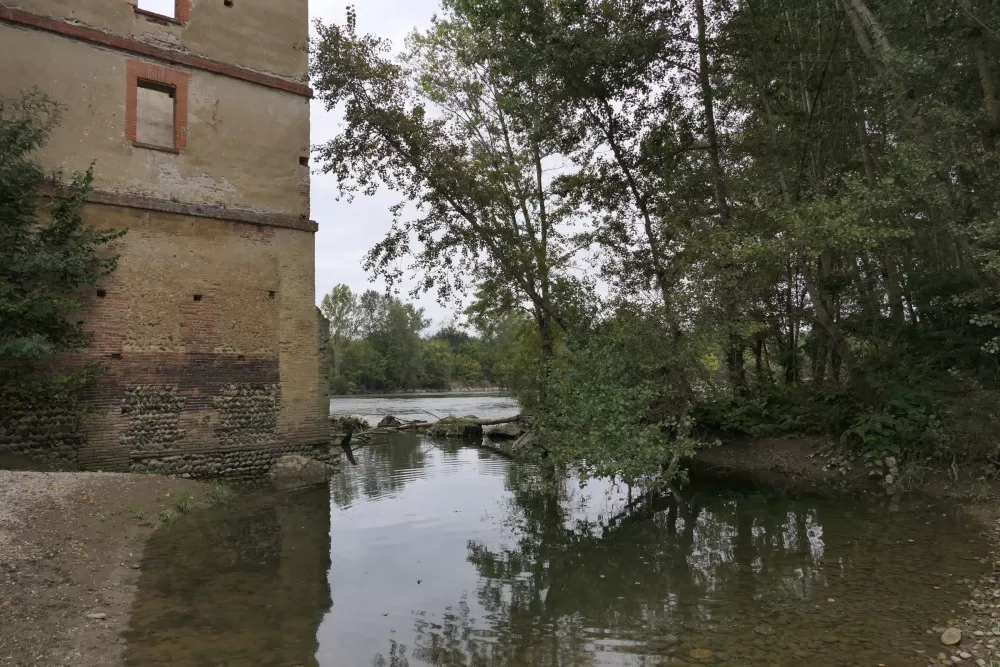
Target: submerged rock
<point x="951" y="636"/>
<point x="294" y="470"/>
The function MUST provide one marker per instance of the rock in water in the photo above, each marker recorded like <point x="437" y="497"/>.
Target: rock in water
<point x="453" y="427"/>
<point x="389" y="422"/>
<point x="294" y="470"/>
<point x="951" y="636"/>
<point x="701" y="654"/>
<point x="511" y="431"/>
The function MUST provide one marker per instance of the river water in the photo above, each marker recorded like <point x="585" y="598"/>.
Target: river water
<point x="435" y="553"/>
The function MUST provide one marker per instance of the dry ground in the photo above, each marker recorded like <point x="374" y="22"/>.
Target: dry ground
<point x="70" y="549"/>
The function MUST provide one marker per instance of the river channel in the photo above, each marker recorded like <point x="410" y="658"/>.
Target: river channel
<point x="436" y="553"/>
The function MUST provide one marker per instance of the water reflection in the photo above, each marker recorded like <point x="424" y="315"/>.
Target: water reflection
<point x="245" y="584"/>
<point x="553" y="574"/>
<point x="447" y="555"/>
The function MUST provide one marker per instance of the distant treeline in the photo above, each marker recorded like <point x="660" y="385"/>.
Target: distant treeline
<point x="378" y="344"/>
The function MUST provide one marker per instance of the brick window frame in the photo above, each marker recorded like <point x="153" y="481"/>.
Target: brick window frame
<point x="182" y="12"/>
<point x="161" y="76"/>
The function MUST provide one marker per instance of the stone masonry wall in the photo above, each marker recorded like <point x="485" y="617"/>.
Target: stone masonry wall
<point x="154" y="418"/>
<point x="207" y="328"/>
<point x="46" y="429"/>
<point x="248" y="413"/>
<point x="212" y="348"/>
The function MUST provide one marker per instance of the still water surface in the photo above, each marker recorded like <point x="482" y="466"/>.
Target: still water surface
<point x="430" y="553"/>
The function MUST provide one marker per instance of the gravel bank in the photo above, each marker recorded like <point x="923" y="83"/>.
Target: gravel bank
<point x="70" y="548"/>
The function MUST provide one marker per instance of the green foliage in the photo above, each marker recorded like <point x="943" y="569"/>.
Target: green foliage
<point x="627" y="385"/>
<point x="438" y="364"/>
<point x="378" y="344"/>
<point x="183" y="503"/>
<point x="790" y="207"/>
<point x="168" y="516"/>
<point x="47" y="254"/>
<point x="139" y="513"/>
<point x="977" y="491"/>
<point x="340" y="309"/>
<point x="339" y="385"/>
<point x="467" y="368"/>
<point x="219" y="493"/>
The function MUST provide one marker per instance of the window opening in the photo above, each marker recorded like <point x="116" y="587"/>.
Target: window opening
<point x="155" y="114"/>
<point x="161" y="7"/>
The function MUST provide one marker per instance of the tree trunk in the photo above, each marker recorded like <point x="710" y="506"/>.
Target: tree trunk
<point x="837" y="339"/>
<point x="708" y="101"/>
<point x="736" y="345"/>
<point x="986" y="79"/>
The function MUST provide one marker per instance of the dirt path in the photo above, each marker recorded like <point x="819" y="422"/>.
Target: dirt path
<point x="70" y="548"/>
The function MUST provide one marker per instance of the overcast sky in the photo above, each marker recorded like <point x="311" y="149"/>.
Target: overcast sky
<point x="347" y="231"/>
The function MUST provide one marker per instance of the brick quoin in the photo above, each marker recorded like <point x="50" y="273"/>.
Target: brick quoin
<point x="142" y="71"/>
<point x="182" y="10"/>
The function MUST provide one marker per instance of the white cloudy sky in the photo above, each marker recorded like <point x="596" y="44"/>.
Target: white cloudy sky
<point x="347" y="231"/>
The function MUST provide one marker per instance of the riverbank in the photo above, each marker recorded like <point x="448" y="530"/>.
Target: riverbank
<point x="70" y="549"/>
<point x="804" y="464"/>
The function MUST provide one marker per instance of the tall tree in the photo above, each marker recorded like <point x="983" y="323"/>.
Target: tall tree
<point x="466" y="148"/>
<point x="340" y="308"/>
<point x="47" y="253"/>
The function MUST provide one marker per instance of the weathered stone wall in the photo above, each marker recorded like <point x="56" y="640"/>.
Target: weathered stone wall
<point x="208" y="328"/>
<point x="211" y="344"/>
<point x="243" y="141"/>
<point x="239" y="464"/>
<point x="261" y="35"/>
<point x="44" y="428"/>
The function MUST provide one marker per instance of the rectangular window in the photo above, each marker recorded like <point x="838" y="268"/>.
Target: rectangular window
<point x="161" y="7"/>
<point x="155" y="114"/>
<point x="156" y="109"/>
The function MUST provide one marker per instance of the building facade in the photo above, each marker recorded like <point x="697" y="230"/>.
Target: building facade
<point x="196" y="117"/>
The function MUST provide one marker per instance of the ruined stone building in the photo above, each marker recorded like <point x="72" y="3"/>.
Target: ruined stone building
<point x="196" y="116"/>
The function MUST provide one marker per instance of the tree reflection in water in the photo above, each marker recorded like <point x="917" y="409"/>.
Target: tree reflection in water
<point x="577" y="589"/>
<point x="525" y="567"/>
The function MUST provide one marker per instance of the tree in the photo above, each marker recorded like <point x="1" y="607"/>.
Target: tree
<point x="47" y="253"/>
<point x="363" y="367"/>
<point x="807" y="183"/>
<point x="467" y="369"/>
<point x="340" y="308"/>
<point x="438" y="364"/>
<point x="467" y="150"/>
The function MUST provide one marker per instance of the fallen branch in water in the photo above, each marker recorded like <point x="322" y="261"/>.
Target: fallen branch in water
<point x="417" y="425"/>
